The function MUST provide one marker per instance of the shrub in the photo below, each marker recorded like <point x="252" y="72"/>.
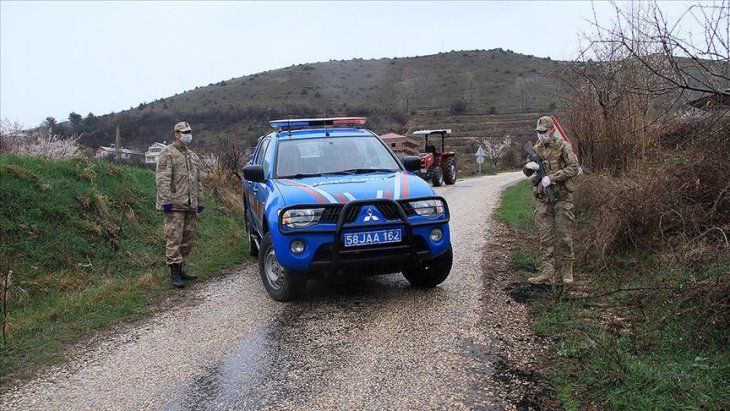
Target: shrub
<point x="458" y="106"/>
<point x="675" y="201"/>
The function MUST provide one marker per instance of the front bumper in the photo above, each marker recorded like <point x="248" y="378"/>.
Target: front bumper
<point x="326" y="252"/>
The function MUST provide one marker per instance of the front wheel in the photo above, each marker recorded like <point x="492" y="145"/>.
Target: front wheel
<point x="431" y="273"/>
<point x="437" y="176"/>
<point x="281" y="284"/>
<point x="450" y="171"/>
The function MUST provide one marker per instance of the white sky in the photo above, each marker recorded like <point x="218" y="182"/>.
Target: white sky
<point x="58" y="57"/>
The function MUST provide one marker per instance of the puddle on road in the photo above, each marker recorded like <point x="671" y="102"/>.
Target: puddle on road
<point x="237" y="378"/>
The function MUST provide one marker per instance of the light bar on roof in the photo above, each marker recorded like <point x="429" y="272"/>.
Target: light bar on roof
<point x="299" y="123"/>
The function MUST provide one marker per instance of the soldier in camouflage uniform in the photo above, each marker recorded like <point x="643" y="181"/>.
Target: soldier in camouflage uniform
<point x="554" y="224"/>
<point x="180" y="197"/>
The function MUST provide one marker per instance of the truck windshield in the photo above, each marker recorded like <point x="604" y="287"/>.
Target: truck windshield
<point x="333" y="155"/>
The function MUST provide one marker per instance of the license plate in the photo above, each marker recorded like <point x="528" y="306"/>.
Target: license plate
<point x="373" y="237"/>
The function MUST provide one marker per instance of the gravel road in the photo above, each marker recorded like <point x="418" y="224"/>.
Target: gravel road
<point x="372" y="343"/>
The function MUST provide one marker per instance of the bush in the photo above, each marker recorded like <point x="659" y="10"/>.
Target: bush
<point x="677" y="201"/>
<point x="458" y="106"/>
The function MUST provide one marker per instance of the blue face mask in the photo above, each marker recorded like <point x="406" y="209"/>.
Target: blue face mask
<point x="186" y="137"/>
<point x="544" y="137"/>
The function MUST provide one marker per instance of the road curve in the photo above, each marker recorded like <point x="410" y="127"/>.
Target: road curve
<point x="373" y="343"/>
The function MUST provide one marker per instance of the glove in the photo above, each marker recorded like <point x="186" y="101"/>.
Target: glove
<point x="532" y="166"/>
<point x="167" y="208"/>
<point x="546" y="181"/>
<point x="200" y="209"/>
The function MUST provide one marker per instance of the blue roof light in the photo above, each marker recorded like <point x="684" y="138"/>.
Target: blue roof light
<point x="299" y="123"/>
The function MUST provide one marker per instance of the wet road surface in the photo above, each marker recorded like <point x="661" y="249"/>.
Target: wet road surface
<point x="372" y="343"/>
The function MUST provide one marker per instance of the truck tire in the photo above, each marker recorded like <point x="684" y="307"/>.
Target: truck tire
<point x="281" y="284"/>
<point x="431" y="273"/>
<point x="437" y="176"/>
<point x="450" y="171"/>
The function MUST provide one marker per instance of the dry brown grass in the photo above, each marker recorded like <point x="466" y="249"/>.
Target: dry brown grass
<point x="676" y="200"/>
<point x="224" y="186"/>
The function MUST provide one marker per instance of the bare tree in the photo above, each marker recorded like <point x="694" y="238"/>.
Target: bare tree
<point x="11" y="135"/>
<point x="470" y="83"/>
<point x="639" y="71"/>
<point x="523" y="88"/>
<point x="405" y="93"/>
<point x="494" y="148"/>
<point x="41" y="142"/>
<point x="676" y="56"/>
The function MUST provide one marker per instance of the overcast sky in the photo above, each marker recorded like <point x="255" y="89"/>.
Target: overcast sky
<point x="58" y="57"/>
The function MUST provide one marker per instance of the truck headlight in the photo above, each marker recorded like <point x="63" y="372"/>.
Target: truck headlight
<point x="427" y="208"/>
<point x="301" y="217"/>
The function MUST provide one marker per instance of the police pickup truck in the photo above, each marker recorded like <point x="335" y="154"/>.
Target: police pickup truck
<point x="326" y="196"/>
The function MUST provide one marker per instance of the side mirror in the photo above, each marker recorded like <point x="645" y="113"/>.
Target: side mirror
<point x="254" y="172"/>
<point x="412" y="163"/>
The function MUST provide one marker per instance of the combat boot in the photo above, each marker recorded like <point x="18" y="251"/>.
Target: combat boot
<point x="567" y="273"/>
<point x="175" y="276"/>
<point x="185" y="276"/>
<point x="547" y="275"/>
<point x="541" y="279"/>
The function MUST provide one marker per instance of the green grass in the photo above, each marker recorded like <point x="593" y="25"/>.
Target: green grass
<point x="86" y="250"/>
<point x="517" y="206"/>
<point x="656" y="348"/>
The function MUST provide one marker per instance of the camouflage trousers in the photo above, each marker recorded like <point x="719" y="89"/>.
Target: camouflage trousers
<point x="179" y="235"/>
<point x="556" y="237"/>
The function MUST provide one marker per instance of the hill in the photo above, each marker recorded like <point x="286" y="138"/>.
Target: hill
<point x="85" y="247"/>
<point x="476" y="93"/>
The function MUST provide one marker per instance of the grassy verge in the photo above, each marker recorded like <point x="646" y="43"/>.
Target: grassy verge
<point x="86" y="250"/>
<point x="639" y="343"/>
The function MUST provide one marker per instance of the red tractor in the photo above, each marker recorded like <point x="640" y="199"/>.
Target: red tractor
<point x="437" y="166"/>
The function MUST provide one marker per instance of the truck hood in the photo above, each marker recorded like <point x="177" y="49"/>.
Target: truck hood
<point x="344" y="188"/>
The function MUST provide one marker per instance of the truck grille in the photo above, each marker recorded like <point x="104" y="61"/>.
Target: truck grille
<point x="388" y="210"/>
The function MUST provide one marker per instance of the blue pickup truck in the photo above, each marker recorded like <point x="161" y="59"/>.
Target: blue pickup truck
<point x="326" y="196"/>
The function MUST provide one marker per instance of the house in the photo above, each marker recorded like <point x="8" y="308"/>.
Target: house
<point x="150" y="157"/>
<point x="401" y="145"/>
<point x="123" y="153"/>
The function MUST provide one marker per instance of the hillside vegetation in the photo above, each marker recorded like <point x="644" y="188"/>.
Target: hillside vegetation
<point x="478" y="94"/>
<point x="85" y="248"/>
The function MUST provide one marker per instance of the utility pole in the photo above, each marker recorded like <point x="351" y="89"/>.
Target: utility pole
<point x="118" y="145"/>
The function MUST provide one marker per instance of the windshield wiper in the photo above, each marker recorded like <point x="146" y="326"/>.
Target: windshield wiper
<point x="367" y="170"/>
<point x="302" y="175"/>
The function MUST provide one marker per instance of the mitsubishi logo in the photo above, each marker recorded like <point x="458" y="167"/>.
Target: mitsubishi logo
<point x="370" y="216"/>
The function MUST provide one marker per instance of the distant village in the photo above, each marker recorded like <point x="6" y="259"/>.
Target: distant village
<point x="401" y="145"/>
<point x="123" y="153"/>
<point x="117" y="151"/>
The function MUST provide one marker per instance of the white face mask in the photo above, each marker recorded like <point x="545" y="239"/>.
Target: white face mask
<point x="186" y="137"/>
<point x="544" y="137"/>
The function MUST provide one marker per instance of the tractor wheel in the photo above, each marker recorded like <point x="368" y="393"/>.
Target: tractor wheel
<point x="450" y="170"/>
<point x="437" y="176"/>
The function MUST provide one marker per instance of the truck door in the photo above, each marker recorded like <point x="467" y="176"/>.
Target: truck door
<point x="255" y="191"/>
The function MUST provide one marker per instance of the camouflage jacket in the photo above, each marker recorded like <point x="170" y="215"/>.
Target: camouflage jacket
<point x="178" y="179"/>
<point x="561" y="165"/>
